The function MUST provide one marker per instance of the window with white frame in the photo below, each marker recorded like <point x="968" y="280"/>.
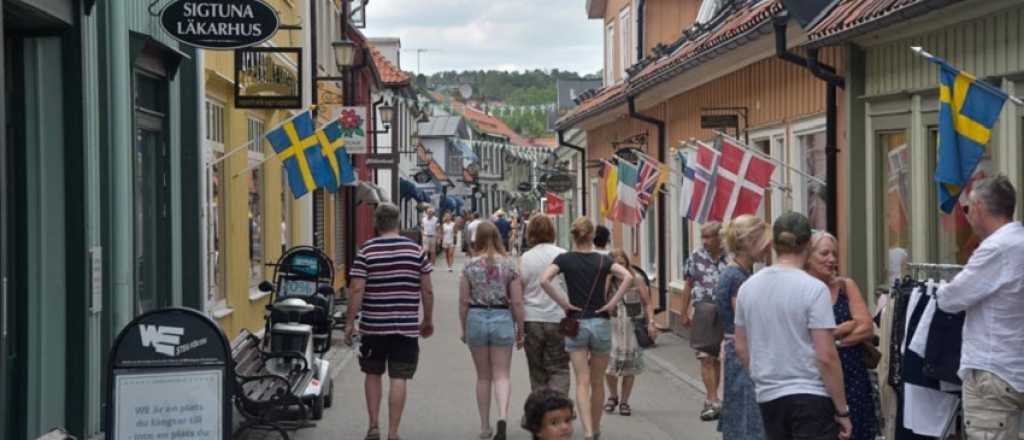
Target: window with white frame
<point x="216" y="204"/>
<point x="625" y="42"/>
<point x="649" y="241"/>
<point x="255" y="189"/>
<point x="813" y="161"/>
<point x="778" y="198"/>
<point x="708" y="10"/>
<point x="609" y="54"/>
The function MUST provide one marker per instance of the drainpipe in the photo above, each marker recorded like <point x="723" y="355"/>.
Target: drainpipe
<point x="833" y="83"/>
<point x="582" y="167"/>
<point x="662" y="207"/>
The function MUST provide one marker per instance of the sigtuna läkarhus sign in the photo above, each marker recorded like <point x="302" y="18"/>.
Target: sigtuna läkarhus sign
<point x="220" y="24"/>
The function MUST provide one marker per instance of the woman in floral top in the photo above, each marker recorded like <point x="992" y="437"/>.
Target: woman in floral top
<point x="491" y="313"/>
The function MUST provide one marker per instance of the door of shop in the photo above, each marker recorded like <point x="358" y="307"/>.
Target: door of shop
<point x="152" y="205"/>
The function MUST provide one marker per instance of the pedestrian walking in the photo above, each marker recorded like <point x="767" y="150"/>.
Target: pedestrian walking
<point x="503" y="225"/>
<point x="390" y="275"/>
<point x="701" y="312"/>
<point x="548" y="415"/>
<point x="747" y="240"/>
<point x="602" y="237"/>
<point x="784" y="336"/>
<point x="491" y="314"/>
<point x="587" y="327"/>
<point x="471" y="229"/>
<point x="448" y="240"/>
<point x="428" y="227"/>
<point x="990" y="289"/>
<point x="545" y="346"/>
<point x="627" y="360"/>
<point x="854" y="329"/>
<point x="513" y="235"/>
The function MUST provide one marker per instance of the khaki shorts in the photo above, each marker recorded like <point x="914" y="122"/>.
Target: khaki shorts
<point x="428" y="243"/>
<point x="992" y="407"/>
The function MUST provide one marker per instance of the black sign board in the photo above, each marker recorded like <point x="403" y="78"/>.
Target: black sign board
<point x="719" y="121"/>
<point x="268" y="77"/>
<point x="559" y="182"/>
<point x="422" y="177"/>
<point x="380" y="161"/>
<point x="524" y="187"/>
<point x="170" y="371"/>
<point x="220" y="24"/>
<point x="628" y="154"/>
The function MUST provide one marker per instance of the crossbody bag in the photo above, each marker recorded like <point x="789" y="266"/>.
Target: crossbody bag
<point x="570" y="326"/>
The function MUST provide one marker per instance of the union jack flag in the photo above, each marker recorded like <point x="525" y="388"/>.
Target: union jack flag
<point x="647" y="182"/>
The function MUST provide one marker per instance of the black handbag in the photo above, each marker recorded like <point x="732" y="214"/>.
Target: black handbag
<point x="570" y="326"/>
<point x="643" y="339"/>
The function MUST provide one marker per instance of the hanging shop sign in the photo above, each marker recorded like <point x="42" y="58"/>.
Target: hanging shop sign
<point x="268" y="77"/>
<point x="719" y="121"/>
<point x="170" y="372"/>
<point x="353" y="129"/>
<point x="628" y="154"/>
<point x="559" y="182"/>
<point x="220" y="24"/>
<point x="378" y="161"/>
<point x="554" y="205"/>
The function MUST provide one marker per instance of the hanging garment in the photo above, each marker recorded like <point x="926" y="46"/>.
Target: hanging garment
<point x="925" y="410"/>
<point x="942" y="354"/>
<point x="920" y="336"/>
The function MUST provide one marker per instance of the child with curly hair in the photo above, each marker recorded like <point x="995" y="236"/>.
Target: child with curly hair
<point x="548" y="415"/>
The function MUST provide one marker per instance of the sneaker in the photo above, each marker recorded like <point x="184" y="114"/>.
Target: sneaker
<point x="709" y="412"/>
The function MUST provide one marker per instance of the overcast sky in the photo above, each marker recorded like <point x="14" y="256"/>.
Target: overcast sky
<point x="490" y="34"/>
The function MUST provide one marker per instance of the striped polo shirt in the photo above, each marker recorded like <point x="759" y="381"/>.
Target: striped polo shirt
<point x="392" y="267"/>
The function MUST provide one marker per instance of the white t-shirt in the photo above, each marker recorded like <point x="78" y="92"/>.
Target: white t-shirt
<point x="777" y="308"/>
<point x="449" y="232"/>
<point x="429" y="226"/>
<point x="472" y="229"/>
<point x="539" y="307"/>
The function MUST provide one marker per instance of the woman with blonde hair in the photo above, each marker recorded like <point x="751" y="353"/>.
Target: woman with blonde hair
<point x="448" y="239"/>
<point x="491" y="314"/>
<point x="627" y="357"/>
<point x="747" y="238"/>
<point x="587" y="329"/>
<point x="853" y="328"/>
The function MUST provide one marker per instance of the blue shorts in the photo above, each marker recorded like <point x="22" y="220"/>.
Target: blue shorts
<point x="490" y="328"/>
<point x="595" y="336"/>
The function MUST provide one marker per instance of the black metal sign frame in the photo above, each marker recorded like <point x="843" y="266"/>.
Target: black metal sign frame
<point x="220" y="24"/>
<point x="269" y="102"/>
<point x="167" y="344"/>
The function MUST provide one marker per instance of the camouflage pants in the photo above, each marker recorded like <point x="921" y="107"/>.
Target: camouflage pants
<point x="546" y="356"/>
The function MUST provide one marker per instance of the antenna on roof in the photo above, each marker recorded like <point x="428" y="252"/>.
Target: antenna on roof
<point x="418" y="53"/>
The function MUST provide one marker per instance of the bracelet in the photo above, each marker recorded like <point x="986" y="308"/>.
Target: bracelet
<point x="844" y="415"/>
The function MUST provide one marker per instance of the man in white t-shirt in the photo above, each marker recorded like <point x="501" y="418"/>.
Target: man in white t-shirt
<point x="472" y="231"/>
<point x="428" y="227"/>
<point x="784" y="325"/>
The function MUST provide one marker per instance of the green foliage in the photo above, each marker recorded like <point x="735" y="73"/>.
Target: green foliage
<point x="527" y="124"/>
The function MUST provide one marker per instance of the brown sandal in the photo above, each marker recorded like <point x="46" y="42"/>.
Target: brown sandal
<point x="372" y="434"/>
<point x="625" y="410"/>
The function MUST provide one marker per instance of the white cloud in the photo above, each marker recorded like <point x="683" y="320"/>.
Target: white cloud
<point x="490" y="34"/>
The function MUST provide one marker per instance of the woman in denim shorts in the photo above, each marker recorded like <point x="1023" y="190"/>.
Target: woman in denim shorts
<point x="586" y="273"/>
<point x="491" y="313"/>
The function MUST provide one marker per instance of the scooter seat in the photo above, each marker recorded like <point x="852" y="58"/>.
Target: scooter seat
<point x="292" y="329"/>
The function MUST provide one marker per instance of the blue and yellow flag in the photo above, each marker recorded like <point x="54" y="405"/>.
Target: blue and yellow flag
<point x="968" y="109"/>
<point x="336" y="155"/>
<point x="298" y="147"/>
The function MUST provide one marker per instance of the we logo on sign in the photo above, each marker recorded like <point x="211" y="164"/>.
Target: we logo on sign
<point x="162" y="338"/>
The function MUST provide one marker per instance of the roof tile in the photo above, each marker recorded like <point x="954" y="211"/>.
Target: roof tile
<point x="389" y="74"/>
<point x="848" y="15"/>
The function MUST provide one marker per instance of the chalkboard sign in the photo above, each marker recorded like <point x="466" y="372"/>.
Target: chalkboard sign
<point x="220" y="24"/>
<point x="170" y="377"/>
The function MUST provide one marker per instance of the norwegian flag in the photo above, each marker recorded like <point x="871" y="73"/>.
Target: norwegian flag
<point x="647" y="182"/>
<point x="739" y="183"/>
<point x="699" y="170"/>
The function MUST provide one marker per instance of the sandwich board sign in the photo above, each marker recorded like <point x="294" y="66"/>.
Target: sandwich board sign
<point x="170" y="378"/>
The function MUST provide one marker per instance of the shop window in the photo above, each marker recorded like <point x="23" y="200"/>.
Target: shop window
<point x="815" y="197"/>
<point x="255" y="189"/>
<point x="953" y="235"/>
<point x="895" y="204"/>
<point x="215" y="230"/>
<point x="778" y="198"/>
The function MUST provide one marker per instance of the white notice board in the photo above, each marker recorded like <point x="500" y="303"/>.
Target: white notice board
<point x="178" y="405"/>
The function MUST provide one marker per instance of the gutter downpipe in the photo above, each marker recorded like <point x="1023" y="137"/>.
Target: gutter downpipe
<point x="833" y="83"/>
<point x="662" y="256"/>
<point x="582" y="168"/>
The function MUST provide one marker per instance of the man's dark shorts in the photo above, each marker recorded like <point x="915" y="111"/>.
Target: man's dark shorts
<point x="397" y="354"/>
<point x="800" y="417"/>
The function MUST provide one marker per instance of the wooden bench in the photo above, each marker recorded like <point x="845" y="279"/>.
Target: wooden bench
<point x="267" y="400"/>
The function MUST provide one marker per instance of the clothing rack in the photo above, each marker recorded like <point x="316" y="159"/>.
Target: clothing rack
<point x="940" y="271"/>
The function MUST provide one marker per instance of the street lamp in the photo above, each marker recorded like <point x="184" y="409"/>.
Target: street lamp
<point x="387" y="113"/>
<point x="344" y="53"/>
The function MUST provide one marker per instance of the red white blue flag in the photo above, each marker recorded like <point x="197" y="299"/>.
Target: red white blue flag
<point x="647" y="184"/>
<point x="740" y="181"/>
<point x="699" y="168"/>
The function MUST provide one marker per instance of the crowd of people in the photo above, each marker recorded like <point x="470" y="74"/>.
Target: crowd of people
<point x="785" y="343"/>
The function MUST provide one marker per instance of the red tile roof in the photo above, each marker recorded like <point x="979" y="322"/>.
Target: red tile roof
<point x="543" y="142"/>
<point x="849" y="16"/>
<point x="738" y="24"/>
<point x="491" y="125"/>
<point x="389" y="74"/>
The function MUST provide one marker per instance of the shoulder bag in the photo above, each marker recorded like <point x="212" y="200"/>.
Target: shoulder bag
<point x="570" y="326"/>
<point x="707" y="333"/>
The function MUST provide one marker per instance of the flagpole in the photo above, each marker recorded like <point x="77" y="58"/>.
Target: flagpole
<point x="928" y="56"/>
<point x="229" y="154"/>
<point x="764" y="156"/>
<point x="254" y="166"/>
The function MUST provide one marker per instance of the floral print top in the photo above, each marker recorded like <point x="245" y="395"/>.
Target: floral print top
<point x="489" y="283"/>
<point x="703" y="272"/>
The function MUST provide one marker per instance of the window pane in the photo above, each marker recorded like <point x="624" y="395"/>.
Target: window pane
<point x="812" y="146"/>
<point x="215" y="232"/>
<point x="895" y="203"/>
<point x="255" y="227"/>
<point x="956" y="239"/>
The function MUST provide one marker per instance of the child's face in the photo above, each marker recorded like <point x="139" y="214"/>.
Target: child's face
<point x="557" y="425"/>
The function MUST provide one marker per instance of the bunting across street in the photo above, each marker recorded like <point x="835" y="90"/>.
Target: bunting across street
<point x="298" y="147"/>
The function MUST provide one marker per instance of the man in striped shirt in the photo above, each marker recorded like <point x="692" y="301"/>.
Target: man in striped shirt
<point x="390" y="278"/>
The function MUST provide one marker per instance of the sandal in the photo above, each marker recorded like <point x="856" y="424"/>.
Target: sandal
<point x="625" y="410"/>
<point x="609" y="407"/>
<point x="372" y="434"/>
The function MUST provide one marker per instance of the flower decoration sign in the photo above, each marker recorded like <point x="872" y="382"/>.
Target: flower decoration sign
<point x="353" y="129"/>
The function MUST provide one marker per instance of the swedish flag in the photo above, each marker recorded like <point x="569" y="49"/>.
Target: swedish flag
<point x="335" y="153"/>
<point x="299" y="148"/>
<point x="968" y="109"/>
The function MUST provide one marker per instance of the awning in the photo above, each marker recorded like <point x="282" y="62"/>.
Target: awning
<point x="452" y="203"/>
<point x="370" y="193"/>
<point x="408" y="190"/>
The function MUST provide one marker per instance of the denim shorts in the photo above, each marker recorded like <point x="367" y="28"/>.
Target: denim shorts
<point x="595" y="336"/>
<point x="490" y="328"/>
